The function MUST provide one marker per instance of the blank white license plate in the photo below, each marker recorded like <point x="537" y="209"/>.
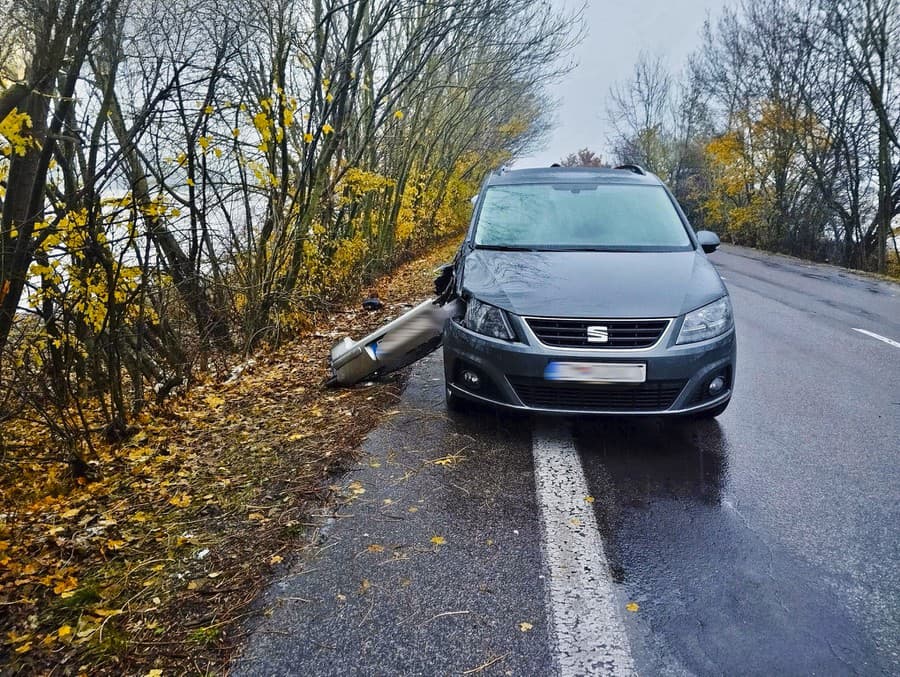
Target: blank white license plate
<point x="596" y="372"/>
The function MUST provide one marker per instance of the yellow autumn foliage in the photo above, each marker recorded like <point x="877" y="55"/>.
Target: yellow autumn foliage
<point x="13" y="140"/>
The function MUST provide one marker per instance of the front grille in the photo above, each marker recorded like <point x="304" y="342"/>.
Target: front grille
<point x="562" y="333"/>
<point x="649" y="396"/>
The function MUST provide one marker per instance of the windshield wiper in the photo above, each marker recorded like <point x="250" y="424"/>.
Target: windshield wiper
<point x="505" y="248"/>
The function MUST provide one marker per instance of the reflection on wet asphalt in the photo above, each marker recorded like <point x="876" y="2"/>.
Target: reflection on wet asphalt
<point x="715" y="597"/>
<point x="767" y="542"/>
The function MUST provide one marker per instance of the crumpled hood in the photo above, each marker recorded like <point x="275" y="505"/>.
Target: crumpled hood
<point x="592" y="284"/>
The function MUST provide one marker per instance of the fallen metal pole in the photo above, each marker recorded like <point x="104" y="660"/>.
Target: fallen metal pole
<point x="400" y="342"/>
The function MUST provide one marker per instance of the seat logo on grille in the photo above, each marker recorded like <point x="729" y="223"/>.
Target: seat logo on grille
<point x="597" y="334"/>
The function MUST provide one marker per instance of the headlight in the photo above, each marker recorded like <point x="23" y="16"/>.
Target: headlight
<point x="487" y="320"/>
<point x="707" y="322"/>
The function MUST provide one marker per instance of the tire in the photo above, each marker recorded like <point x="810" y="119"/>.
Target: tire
<point x="708" y="414"/>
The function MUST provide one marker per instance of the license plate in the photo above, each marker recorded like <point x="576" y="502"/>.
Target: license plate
<point x="596" y="372"/>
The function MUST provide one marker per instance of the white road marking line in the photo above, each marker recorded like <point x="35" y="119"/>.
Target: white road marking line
<point x="890" y="342"/>
<point x="589" y="635"/>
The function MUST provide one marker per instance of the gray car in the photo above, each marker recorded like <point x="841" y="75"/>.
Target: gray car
<point x="587" y="291"/>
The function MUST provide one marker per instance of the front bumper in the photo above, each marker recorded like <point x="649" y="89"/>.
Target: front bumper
<point x="512" y="374"/>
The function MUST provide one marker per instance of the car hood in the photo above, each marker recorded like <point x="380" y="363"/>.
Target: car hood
<point x="592" y="284"/>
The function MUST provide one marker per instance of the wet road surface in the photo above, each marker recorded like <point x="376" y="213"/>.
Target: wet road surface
<point x="765" y="542"/>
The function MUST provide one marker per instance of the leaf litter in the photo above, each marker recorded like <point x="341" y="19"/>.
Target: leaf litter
<point x="149" y="564"/>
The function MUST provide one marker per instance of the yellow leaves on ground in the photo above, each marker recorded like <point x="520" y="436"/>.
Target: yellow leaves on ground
<point x="154" y="673"/>
<point x="180" y="501"/>
<point x="632" y="607"/>
<point x="214" y="401"/>
<point x="65" y="586"/>
<point x="525" y="626"/>
<point x="588" y="499"/>
<point x="124" y="533"/>
<point x="447" y="461"/>
<point x="438" y="540"/>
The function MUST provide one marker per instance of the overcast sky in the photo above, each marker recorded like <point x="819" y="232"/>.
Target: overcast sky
<point x="617" y="31"/>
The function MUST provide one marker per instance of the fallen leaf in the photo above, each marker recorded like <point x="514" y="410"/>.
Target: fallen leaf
<point x="525" y="626"/>
<point x="438" y="540"/>
<point x="64" y="632"/>
<point x="375" y="548"/>
<point x="447" y="461"/>
<point x="356" y="488"/>
<point x="65" y="586"/>
<point x="632" y="606"/>
<point x="364" y="586"/>
<point x="180" y="501"/>
<point x="23" y="648"/>
<point x="154" y="673"/>
<point x="588" y="499"/>
<point x="276" y="559"/>
<point x="214" y="401"/>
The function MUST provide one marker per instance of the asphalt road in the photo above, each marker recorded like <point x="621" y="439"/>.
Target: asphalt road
<point x="766" y="542"/>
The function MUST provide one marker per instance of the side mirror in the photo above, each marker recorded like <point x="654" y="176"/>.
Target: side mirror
<point x="708" y="240"/>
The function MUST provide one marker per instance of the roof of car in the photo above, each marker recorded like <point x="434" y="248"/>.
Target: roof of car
<point x="572" y="175"/>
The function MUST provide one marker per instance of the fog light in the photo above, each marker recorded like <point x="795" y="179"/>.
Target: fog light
<point x="471" y="379"/>
<point x="716" y="385"/>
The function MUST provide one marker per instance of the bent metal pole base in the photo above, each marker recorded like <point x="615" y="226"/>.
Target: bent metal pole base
<point x="398" y="343"/>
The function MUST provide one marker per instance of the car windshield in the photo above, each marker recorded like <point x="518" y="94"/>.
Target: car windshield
<point x="601" y="216"/>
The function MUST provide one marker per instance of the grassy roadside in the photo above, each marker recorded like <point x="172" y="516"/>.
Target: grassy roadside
<point x="149" y="566"/>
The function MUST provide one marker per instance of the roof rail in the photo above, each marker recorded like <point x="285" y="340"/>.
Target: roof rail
<point x="637" y="169"/>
